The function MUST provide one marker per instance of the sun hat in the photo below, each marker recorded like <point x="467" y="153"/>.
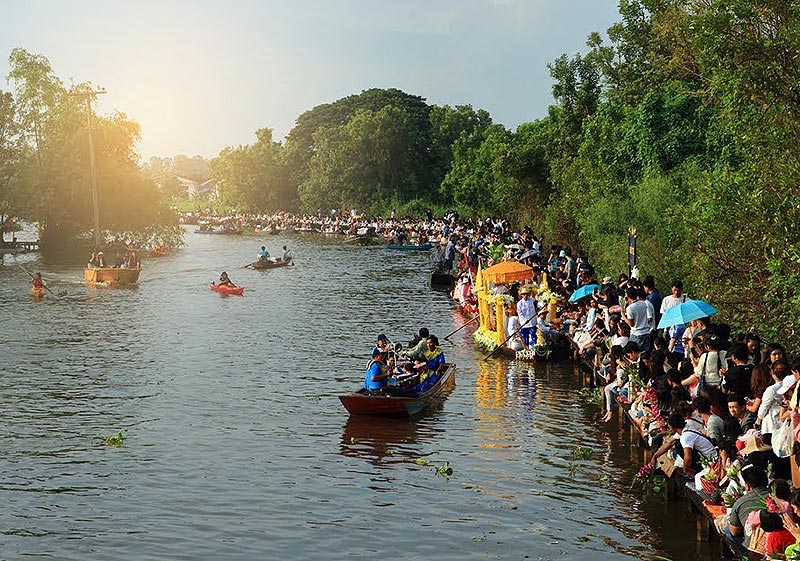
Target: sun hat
<point x="525" y="289"/>
<point x="543" y="311"/>
<point x="608" y="280"/>
<point x="754" y="444"/>
<point x="562" y="253"/>
<point x="787" y="384"/>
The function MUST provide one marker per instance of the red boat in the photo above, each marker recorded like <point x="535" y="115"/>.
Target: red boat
<point x="226" y="289"/>
<point x="362" y="403"/>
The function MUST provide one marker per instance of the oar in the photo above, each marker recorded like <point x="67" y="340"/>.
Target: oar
<point x="248" y="265"/>
<point x="497" y="348"/>
<point x="446" y="337"/>
<point x="44" y="285"/>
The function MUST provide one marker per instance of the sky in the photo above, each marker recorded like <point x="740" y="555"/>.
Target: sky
<point x="202" y="75"/>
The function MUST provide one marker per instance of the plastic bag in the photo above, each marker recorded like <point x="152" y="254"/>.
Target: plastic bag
<point x="783" y="440"/>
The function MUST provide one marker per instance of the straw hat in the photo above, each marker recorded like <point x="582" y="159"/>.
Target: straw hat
<point x="542" y="312"/>
<point x="754" y="444"/>
<point x="525" y="289"/>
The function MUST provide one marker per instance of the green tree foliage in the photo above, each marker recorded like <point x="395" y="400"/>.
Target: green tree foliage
<point x="373" y="162"/>
<point x="253" y="177"/>
<point x="52" y="173"/>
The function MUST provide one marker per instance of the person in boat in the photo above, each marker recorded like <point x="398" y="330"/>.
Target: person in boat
<point x="37" y="281"/>
<point x="101" y="260"/>
<point x="287" y="254"/>
<point x="224" y="280"/>
<point x="377" y="375"/>
<point x="94" y="262"/>
<point x="526" y="312"/>
<point x="548" y="332"/>
<point x="418" y="345"/>
<point x="431" y="367"/>
<point x="263" y="256"/>
<point x="382" y="344"/>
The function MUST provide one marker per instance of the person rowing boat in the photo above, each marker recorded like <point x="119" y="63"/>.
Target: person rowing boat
<point x="224" y="280"/>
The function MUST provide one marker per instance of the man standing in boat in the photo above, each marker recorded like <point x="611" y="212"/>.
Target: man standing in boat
<point x="526" y="312"/>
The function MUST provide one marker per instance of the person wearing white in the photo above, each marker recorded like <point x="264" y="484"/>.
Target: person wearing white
<point x="640" y="317"/>
<point x="770" y="409"/>
<point x="526" y="310"/>
<point x="673" y="300"/>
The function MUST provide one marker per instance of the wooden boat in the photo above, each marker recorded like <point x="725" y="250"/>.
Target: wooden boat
<point x="158" y="252"/>
<point x="272" y="264"/>
<point x="442" y="280"/>
<point x="417" y="247"/>
<point x="362" y="403"/>
<point x="226" y="289"/>
<point x="111" y="275"/>
<point x="37" y="293"/>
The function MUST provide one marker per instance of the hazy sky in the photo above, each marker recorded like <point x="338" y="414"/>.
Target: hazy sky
<point x="202" y="75"/>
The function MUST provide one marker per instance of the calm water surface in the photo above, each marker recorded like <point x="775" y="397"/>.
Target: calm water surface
<point x="236" y="446"/>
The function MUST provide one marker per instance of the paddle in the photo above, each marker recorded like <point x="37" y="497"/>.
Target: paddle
<point x="249" y="265"/>
<point x="498" y="347"/>
<point x="44" y="285"/>
<point x="446" y="337"/>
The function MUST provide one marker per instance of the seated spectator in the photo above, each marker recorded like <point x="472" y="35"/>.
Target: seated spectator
<point x="755" y="486"/>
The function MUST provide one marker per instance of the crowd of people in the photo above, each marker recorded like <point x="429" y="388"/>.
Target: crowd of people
<point x="719" y="408"/>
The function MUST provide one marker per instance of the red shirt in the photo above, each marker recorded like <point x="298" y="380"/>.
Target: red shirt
<point x="777" y="542"/>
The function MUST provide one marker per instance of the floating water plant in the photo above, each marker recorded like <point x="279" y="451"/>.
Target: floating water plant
<point x="582" y="453"/>
<point x="115" y="440"/>
<point x="445" y="470"/>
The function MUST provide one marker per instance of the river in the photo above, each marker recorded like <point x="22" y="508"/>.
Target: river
<point x="236" y="446"/>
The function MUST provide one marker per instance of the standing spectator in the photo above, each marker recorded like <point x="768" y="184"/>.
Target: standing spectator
<point x="639" y="317"/>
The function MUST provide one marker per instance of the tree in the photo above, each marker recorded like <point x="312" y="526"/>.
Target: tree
<point x="253" y="177"/>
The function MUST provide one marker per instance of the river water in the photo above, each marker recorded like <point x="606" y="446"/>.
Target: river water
<point x="236" y="446"/>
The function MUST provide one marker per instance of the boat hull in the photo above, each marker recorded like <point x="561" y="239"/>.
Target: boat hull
<point x="271" y="265"/>
<point x="442" y="280"/>
<point x="225" y="289"/>
<point x="37" y="293"/>
<point x="109" y="275"/>
<point x="360" y="403"/>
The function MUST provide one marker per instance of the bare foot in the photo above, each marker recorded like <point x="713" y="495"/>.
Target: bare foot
<point x="607" y="417"/>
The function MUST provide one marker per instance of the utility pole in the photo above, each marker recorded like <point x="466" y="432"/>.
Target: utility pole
<point x="88" y="96"/>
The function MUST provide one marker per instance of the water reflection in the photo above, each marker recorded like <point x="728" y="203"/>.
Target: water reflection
<point x="380" y="440"/>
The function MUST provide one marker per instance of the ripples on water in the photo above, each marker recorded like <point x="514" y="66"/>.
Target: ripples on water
<point x="236" y="446"/>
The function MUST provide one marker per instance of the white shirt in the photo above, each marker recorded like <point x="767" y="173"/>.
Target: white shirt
<point x="770" y="409"/>
<point x="669" y="301"/>
<point x="711" y="362"/>
<point x="638" y="312"/>
<point x="512" y="326"/>
<point x="526" y="310"/>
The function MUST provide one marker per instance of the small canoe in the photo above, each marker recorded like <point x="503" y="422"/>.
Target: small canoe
<point x="111" y="275"/>
<point x="272" y="264"/>
<point x="225" y="289"/>
<point x="158" y="252"/>
<point x="362" y="403"/>
<point x="37" y="293"/>
<point x="419" y="247"/>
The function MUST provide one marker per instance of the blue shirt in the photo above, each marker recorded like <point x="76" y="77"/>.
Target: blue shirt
<point x="374" y="369"/>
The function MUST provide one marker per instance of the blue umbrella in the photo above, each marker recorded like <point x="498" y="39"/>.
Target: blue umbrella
<point x="583" y="291"/>
<point x="686" y="312"/>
